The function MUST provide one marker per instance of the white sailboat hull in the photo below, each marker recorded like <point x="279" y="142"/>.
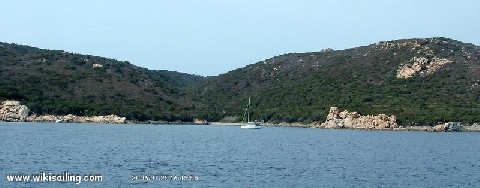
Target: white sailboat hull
<point x="250" y="125"/>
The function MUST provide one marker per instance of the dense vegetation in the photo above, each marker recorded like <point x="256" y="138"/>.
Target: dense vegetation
<point x="56" y="82"/>
<point x="298" y="87"/>
<point x="302" y="87"/>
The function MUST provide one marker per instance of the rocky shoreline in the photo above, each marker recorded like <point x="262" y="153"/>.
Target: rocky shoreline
<point x="467" y="128"/>
<point x="13" y="111"/>
<point x="381" y="122"/>
<point x="355" y="121"/>
<point x="109" y="119"/>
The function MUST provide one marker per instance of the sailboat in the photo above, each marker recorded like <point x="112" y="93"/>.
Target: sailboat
<point x="249" y="124"/>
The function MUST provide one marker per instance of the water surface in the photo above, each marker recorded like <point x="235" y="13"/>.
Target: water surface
<point x="227" y="156"/>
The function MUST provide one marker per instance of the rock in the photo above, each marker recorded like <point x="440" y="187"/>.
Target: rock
<point x="96" y="65"/>
<point x="333" y="113"/>
<point x="200" y="122"/>
<point x="44" y="118"/>
<point x="475" y="127"/>
<point x="108" y="119"/>
<point x="421" y="65"/>
<point x="70" y="118"/>
<point x="23" y="111"/>
<point x="440" y="128"/>
<point x="408" y="70"/>
<point x="454" y="126"/>
<point x="11" y="103"/>
<point x="448" y="127"/>
<point x="354" y="120"/>
<point x="13" y="111"/>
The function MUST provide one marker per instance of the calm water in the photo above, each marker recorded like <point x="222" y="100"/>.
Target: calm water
<point x="227" y="156"/>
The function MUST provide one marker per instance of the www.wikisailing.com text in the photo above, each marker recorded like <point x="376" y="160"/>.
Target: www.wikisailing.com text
<point x="50" y="177"/>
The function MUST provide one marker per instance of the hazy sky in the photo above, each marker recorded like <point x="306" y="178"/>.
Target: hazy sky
<point x="210" y="37"/>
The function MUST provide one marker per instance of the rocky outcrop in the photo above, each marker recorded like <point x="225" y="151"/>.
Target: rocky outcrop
<point x="13" y="111"/>
<point x="448" y="127"/>
<point x="353" y="120"/>
<point x="421" y="65"/>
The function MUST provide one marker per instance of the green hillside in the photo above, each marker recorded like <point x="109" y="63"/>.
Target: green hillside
<point x="57" y="82"/>
<point x="301" y="87"/>
<point x="421" y="81"/>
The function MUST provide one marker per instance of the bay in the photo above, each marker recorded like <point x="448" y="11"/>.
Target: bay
<point x="227" y="156"/>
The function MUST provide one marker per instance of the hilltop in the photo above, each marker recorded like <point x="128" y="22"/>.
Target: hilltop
<point x="421" y="81"/>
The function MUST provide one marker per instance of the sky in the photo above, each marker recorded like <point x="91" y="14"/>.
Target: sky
<point x="212" y="37"/>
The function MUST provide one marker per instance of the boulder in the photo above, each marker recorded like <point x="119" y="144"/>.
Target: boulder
<point x="448" y="127"/>
<point x="440" y="128"/>
<point x="333" y="113"/>
<point x="13" y="111"/>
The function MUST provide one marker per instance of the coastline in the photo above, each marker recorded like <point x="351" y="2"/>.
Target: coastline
<point x="13" y="111"/>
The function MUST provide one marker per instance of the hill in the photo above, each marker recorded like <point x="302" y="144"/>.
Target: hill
<point x="57" y="82"/>
<point x="422" y="81"/>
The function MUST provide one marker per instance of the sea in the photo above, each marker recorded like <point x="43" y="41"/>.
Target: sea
<point x="134" y="155"/>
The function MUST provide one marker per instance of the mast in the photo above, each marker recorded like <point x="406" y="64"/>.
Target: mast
<point x="248" y="112"/>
